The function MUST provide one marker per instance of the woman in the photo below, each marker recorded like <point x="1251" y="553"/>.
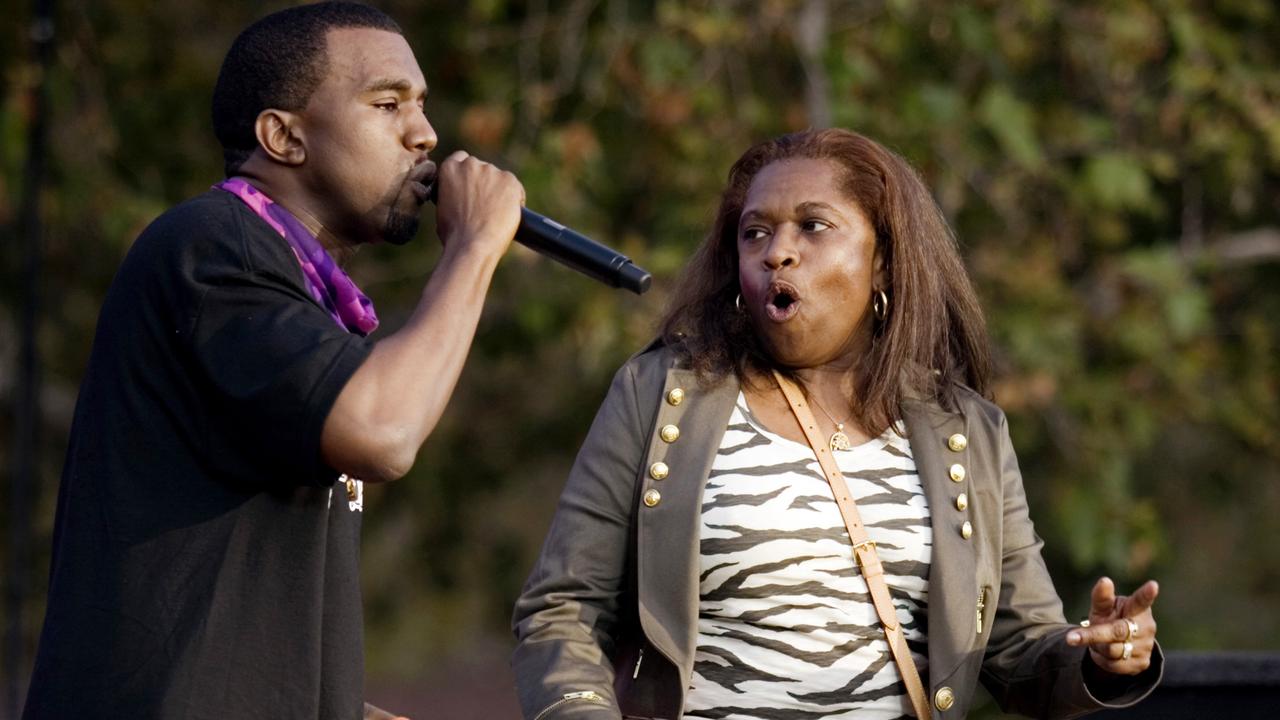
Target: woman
<point x="700" y="565"/>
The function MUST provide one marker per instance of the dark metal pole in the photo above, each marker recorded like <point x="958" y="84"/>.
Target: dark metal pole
<point x="26" y="485"/>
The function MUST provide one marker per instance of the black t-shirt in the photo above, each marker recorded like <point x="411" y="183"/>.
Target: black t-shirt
<point x="205" y="561"/>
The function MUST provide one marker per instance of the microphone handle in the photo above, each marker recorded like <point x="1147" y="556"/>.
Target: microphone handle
<point x="579" y="252"/>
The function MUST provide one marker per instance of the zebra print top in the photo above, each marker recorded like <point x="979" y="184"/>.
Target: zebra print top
<point x="786" y="629"/>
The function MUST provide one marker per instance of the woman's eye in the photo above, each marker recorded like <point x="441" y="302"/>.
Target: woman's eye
<point x="753" y="233"/>
<point x="388" y="105"/>
<point x="812" y="226"/>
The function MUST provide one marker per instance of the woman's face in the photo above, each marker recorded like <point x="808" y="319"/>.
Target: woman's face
<point x="807" y="264"/>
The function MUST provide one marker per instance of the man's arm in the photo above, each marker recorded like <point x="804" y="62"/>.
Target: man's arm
<point x="396" y="397"/>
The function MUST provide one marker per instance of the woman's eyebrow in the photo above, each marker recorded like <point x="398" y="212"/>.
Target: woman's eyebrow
<point x="811" y="205"/>
<point x="802" y="208"/>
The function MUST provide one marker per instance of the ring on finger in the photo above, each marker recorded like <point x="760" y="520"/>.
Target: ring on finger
<point x="1128" y="651"/>
<point x="1132" y="631"/>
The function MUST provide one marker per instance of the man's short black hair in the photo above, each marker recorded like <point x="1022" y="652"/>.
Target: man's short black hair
<point x="277" y="62"/>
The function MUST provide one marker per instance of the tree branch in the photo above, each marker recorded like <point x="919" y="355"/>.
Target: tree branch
<point x="1252" y="247"/>
<point x="812" y="30"/>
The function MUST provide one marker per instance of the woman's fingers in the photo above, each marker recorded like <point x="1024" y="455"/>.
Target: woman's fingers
<point x="1102" y="600"/>
<point x="1142" y="599"/>
<point x="1115" y="619"/>
<point x="1121" y="657"/>
<point x="1116" y="631"/>
<point x="1120" y="632"/>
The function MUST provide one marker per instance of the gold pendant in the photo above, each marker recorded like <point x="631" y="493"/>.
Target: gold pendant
<point x="839" y="441"/>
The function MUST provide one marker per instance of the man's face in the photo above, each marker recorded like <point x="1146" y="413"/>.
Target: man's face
<point x="367" y="139"/>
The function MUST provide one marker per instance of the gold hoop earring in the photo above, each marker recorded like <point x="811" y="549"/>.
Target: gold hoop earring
<point x="880" y="305"/>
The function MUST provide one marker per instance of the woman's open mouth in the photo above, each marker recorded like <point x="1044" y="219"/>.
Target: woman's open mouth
<point x="782" y="302"/>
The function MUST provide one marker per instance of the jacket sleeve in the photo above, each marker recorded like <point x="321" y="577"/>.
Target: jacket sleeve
<point x="1028" y="667"/>
<point x="566" y="618"/>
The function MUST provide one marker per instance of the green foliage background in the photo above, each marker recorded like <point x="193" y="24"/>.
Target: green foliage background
<point x="1112" y="169"/>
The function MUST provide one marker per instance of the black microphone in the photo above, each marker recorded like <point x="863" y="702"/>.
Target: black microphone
<point x="548" y="237"/>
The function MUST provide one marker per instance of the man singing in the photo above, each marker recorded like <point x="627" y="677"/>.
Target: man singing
<point x="205" y="559"/>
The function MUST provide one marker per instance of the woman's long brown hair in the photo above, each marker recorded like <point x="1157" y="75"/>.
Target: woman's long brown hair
<point x="934" y="335"/>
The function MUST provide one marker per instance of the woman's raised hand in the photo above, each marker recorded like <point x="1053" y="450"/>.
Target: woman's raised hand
<point x="1120" y="631"/>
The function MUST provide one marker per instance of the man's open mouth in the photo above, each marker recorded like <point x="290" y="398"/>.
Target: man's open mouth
<point x="782" y="302"/>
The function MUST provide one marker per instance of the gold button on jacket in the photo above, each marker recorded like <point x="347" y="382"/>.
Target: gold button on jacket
<point x="944" y="698"/>
<point x="658" y="471"/>
<point x="676" y="396"/>
<point x="957" y="442"/>
<point x="957" y="472"/>
<point x="652" y="498"/>
<point x="669" y="433"/>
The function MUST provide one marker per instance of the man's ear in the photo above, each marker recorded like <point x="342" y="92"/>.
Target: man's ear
<point x="280" y="136"/>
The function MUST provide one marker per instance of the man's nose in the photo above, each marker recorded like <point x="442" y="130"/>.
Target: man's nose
<point x="420" y="136"/>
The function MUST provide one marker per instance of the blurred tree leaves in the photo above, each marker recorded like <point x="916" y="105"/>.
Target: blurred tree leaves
<point x="1112" y="170"/>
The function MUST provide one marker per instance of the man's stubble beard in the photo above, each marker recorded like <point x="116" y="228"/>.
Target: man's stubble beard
<point x="401" y="227"/>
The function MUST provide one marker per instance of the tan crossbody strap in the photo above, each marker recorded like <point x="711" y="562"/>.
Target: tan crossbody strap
<point x="863" y="547"/>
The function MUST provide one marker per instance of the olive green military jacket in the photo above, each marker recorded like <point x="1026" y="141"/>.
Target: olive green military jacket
<point x="607" y="623"/>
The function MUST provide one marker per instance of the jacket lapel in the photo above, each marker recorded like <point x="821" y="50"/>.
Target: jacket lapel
<point x="668" y="530"/>
<point x="952" y="593"/>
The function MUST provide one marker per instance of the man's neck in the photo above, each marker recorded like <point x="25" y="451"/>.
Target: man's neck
<point x="290" y="198"/>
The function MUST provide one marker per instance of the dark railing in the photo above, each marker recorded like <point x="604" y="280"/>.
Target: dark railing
<point x="1212" y="685"/>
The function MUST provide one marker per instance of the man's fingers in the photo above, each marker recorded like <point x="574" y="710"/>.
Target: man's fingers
<point x="1102" y="600"/>
<point x="1142" y="599"/>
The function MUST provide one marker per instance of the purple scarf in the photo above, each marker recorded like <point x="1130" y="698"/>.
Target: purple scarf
<point x="328" y="284"/>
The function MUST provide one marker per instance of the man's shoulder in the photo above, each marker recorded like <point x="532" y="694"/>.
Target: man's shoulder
<point x="205" y="213"/>
<point x="214" y="229"/>
<point x="214" y="216"/>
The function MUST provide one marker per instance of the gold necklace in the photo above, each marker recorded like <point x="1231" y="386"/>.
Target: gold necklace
<point x="838" y="440"/>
